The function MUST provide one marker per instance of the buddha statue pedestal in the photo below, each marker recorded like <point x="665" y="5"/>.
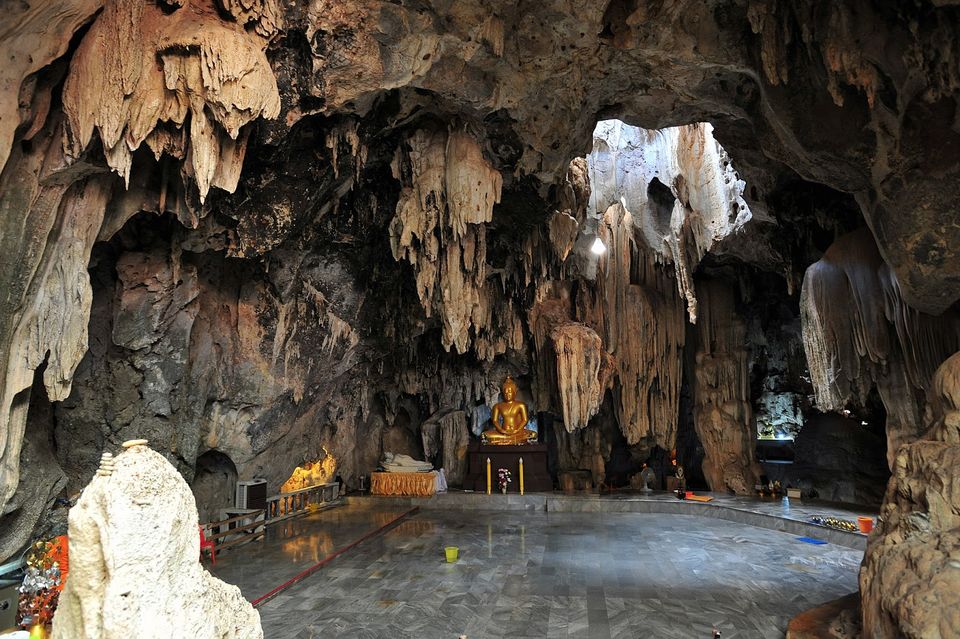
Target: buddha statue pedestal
<point x="536" y="479"/>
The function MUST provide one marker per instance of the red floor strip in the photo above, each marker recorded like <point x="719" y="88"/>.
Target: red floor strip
<point x="317" y="566"/>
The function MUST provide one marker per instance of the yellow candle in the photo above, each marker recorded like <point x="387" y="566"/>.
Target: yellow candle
<point x="521" y="475"/>
<point x="488" y="475"/>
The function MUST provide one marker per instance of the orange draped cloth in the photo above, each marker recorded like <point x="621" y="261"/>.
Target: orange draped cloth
<point x="406" y="484"/>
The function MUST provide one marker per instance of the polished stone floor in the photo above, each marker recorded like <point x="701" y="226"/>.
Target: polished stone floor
<point x="548" y="574"/>
<point x="783" y="514"/>
<point x="292" y="546"/>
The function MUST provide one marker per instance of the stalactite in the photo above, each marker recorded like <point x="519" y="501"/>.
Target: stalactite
<point x="844" y="62"/>
<point x="563" y="233"/>
<point x="347" y="132"/>
<point x="583" y="369"/>
<point x="552" y="307"/>
<point x="447" y="198"/>
<point x="46" y="287"/>
<point x="722" y="412"/>
<point x="141" y="75"/>
<point x="637" y="312"/>
<point x="32" y="36"/>
<point x="858" y="331"/>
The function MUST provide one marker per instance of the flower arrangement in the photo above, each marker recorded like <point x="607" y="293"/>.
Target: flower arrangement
<point x="47" y="567"/>
<point x="503" y="478"/>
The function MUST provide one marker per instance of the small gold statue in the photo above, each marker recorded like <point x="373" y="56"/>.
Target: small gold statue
<point x="509" y="419"/>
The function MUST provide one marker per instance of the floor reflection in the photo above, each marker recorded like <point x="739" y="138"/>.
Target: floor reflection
<point x="290" y="547"/>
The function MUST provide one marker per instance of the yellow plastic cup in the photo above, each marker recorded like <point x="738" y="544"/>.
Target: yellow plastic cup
<point x="452" y="552"/>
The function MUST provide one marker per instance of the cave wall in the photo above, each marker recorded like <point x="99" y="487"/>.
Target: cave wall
<point x="196" y="351"/>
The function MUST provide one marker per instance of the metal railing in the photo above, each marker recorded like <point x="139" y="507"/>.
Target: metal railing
<point x="236" y="530"/>
<point x="298" y="502"/>
<point x="251" y="525"/>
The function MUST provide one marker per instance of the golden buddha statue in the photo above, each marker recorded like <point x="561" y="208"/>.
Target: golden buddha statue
<point x="509" y="419"/>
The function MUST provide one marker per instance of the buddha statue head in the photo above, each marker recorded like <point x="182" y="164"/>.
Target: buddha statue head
<point x="509" y="389"/>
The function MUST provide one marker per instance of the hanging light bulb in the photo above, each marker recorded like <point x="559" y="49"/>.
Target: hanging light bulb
<point x="598" y="247"/>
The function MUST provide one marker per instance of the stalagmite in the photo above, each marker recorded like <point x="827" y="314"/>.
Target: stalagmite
<point x="858" y="331"/>
<point x="722" y="413"/>
<point x="133" y="562"/>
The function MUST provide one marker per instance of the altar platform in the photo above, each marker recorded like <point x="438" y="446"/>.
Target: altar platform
<point x="784" y="515"/>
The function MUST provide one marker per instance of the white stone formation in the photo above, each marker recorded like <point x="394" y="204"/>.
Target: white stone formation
<point x="705" y="204"/>
<point x="134" y="569"/>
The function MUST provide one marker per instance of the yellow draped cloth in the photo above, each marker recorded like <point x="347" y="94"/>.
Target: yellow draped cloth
<point x="407" y="484"/>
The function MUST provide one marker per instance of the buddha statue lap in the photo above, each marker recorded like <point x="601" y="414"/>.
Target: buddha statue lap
<point x="509" y="420"/>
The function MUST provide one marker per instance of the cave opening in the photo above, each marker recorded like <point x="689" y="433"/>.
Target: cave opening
<point x="661" y="200"/>
<point x="214" y="485"/>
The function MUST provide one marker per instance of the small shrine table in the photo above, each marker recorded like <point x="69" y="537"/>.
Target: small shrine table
<point x="404" y="484"/>
<point x="536" y="476"/>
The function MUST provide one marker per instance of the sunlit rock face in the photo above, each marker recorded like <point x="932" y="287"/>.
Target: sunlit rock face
<point x="682" y="184"/>
<point x="910" y="578"/>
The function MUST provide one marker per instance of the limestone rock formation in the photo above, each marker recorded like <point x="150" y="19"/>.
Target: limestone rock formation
<point x="415" y="221"/>
<point x="439" y="228"/>
<point x="212" y="73"/>
<point x="910" y="577"/>
<point x="211" y="70"/>
<point x="583" y="368"/>
<point x="445" y="437"/>
<point x="54" y="214"/>
<point x="859" y="331"/>
<point x="134" y="569"/>
<point x="679" y="184"/>
<point x="722" y="412"/>
<point x="33" y="35"/>
<point x="632" y="291"/>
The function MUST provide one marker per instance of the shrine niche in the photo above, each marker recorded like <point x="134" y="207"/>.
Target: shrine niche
<point x="315" y="473"/>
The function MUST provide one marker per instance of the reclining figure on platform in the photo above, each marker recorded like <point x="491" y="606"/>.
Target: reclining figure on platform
<point x="399" y="463"/>
<point x="509" y="420"/>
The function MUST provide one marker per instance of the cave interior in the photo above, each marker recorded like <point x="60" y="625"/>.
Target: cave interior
<point x="279" y="240"/>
